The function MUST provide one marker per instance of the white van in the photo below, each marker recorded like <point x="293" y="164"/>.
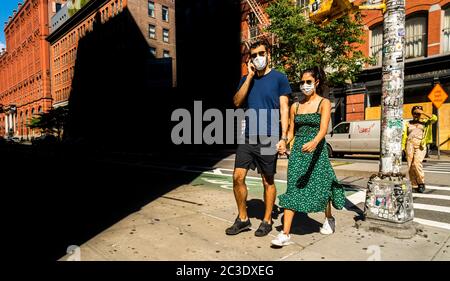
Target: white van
<point x="354" y="137"/>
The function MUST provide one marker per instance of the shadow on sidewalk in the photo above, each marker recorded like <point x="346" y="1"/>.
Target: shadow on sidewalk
<point x="302" y="224"/>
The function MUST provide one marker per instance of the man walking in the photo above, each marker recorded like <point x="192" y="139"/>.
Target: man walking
<point x="264" y="91"/>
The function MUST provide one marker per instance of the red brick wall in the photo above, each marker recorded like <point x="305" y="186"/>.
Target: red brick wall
<point x="373" y="18"/>
<point x="355" y="107"/>
<point x="24" y="68"/>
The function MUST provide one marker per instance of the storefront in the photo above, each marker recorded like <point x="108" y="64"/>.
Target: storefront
<point x="361" y="101"/>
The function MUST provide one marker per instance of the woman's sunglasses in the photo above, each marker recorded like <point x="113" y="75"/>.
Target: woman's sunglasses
<point x="309" y="82"/>
<point x="261" y="54"/>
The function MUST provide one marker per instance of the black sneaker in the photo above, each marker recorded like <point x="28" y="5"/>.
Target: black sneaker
<point x="238" y="227"/>
<point x="421" y="188"/>
<point x="263" y="229"/>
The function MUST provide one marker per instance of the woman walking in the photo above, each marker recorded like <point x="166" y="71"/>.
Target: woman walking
<point x="311" y="182"/>
<point x="416" y="135"/>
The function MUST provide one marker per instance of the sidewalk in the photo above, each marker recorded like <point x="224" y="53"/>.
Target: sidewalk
<point x="189" y="223"/>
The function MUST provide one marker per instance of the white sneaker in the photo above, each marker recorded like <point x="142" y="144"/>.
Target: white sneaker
<point x="282" y="240"/>
<point x="328" y="227"/>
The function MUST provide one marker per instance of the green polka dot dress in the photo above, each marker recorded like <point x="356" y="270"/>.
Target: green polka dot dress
<point x="311" y="181"/>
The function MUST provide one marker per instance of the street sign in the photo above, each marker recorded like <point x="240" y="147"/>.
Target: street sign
<point x="437" y="96"/>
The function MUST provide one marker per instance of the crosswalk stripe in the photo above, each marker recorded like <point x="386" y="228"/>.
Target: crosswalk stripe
<point x="431" y="196"/>
<point x="433" y="223"/>
<point x="435" y="187"/>
<point x="436" y="172"/>
<point x="437" y="168"/>
<point x="431" y="208"/>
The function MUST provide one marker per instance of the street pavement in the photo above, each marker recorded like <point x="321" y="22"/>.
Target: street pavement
<point x="188" y="223"/>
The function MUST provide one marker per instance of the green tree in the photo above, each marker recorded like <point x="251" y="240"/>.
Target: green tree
<point x="301" y="44"/>
<point x="52" y="121"/>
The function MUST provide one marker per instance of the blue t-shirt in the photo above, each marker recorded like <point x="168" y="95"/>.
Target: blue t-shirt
<point x="264" y="94"/>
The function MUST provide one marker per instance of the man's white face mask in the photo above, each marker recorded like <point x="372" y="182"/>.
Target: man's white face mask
<point x="260" y="62"/>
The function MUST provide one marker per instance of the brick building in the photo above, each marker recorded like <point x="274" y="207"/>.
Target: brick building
<point x="427" y="61"/>
<point x="155" y="19"/>
<point x="25" y="67"/>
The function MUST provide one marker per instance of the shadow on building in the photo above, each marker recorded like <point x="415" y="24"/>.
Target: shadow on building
<point x="121" y="101"/>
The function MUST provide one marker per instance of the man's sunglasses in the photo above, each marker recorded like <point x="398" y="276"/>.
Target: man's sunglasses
<point x="261" y="54"/>
<point x="309" y="82"/>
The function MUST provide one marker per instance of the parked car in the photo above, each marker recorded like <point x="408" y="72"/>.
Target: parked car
<point x="354" y="137"/>
<point x="44" y="139"/>
<point x="12" y="140"/>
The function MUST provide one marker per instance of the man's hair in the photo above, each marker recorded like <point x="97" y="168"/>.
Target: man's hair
<point x="260" y="42"/>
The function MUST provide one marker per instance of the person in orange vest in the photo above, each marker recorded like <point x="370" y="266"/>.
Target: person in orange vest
<point x="416" y="135"/>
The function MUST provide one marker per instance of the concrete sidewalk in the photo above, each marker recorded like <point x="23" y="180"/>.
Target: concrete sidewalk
<point x="189" y="223"/>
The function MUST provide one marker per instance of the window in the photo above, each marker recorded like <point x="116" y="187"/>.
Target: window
<point x="166" y="54"/>
<point x="165" y="13"/>
<point x="415" y="36"/>
<point x="166" y="35"/>
<point x="302" y="3"/>
<point x="376" y="43"/>
<point x="342" y="128"/>
<point x="446" y="31"/>
<point x="151" y="9"/>
<point x="151" y="31"/>
<point x="252" y="25"/>
<point x="153" y="51"/>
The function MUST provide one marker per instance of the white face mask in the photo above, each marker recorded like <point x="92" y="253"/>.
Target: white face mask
<point x="307" y="89"/>
<point x="260" y="62"/>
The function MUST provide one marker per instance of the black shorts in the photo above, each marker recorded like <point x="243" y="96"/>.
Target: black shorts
<point x="248" y="156"/>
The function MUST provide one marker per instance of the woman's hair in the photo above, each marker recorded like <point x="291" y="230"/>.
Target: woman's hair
<point x="319" y="74"/>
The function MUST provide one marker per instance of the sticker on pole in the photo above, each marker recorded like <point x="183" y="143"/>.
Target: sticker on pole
<point x="437" y="96"/>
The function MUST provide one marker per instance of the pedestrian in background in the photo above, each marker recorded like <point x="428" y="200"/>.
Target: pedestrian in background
<point x="312" y="185"/>
<point x="416" y="136"/>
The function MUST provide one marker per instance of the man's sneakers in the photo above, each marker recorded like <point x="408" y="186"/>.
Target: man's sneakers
<point x="282" y="240"/>
<point x="238" y="226"/>
<point x="329" y="226"/>
<point x="263" y="229"/>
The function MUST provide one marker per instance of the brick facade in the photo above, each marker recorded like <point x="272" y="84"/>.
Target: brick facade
<point x="25" y="67"/>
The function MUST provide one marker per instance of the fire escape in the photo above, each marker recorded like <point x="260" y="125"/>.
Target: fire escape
<point x="257" y="23"/>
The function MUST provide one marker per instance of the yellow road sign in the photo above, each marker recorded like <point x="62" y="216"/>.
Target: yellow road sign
<point x="437" y="96"/>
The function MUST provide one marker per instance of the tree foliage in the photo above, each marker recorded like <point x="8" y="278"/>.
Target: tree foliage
<point x="301" y="44"/>
<point x="52" y="121"/>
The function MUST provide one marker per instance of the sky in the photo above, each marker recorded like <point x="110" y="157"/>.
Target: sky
<point x="6" y="10"/>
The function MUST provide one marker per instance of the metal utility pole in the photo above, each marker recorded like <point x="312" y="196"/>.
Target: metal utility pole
<point x="392" y="87"/>
<point x="389" y="205"/>
<point x="389" y="195"/>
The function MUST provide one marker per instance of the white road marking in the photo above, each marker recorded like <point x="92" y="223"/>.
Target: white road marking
<point x="433" y="223"/>
<point x="432" y="208"/>
<point x="431" y="196"/>
<point x="357" y="197"/>
<point x="435" y="187"/>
